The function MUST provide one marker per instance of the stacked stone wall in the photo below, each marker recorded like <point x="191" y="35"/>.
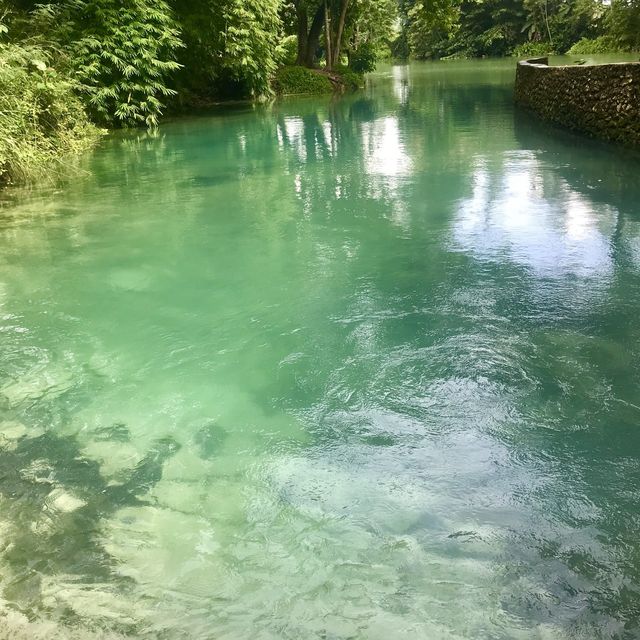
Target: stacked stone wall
<point x="599" y="100"/>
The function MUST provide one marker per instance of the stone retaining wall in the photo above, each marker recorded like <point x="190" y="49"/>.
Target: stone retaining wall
<point x="600" y="100"/>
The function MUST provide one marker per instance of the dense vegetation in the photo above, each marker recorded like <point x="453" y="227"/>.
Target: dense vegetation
<point x="42" y="119"/>
<point x="70" y="63"/>
<point x="475" y="28"/>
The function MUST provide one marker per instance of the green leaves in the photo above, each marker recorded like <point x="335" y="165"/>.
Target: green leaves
<point x="120" y="57"/>
<point x="371" y="26"/>
<point x="232" y="47"/>
<point x="250" y="41"/>
<point x="41" y="117"/>
<point x="623" y="24"/>
<point x="478" y="28"/>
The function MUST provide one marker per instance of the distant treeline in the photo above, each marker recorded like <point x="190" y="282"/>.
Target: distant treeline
<point x="478" y="28"/>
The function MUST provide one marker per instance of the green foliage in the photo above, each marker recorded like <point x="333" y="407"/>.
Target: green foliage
<point x="487" y="28"/>
<point x="399" y="48"/>
<point x="570" y="21"/>
<point x="350" y="78"/>
<point x="41" y="118"/>
<point x="233" y="47"/>
<point x="623" y="24"/>
<point x="363" y="59"/>
<point x="250" y="41"/>
<point x="601" y="44"/>
<point x="478" y="28"/>
<point x="120" y="55"/>
<point x="370" y="32"/>
<point x="462" y="28"/>
<point x="430" y="25"/>
<point x="297" y="80"/>
<point x="288" y="51"/>
<point x="532" y="50"/>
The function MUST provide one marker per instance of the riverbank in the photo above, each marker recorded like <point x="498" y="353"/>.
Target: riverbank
<point x="43" y="122"/>
<point x="50" y="128"/>
<point x="46" y="125"/>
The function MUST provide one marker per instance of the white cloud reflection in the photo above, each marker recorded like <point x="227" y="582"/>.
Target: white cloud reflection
<point x="387" y="164"/>
<point x="291" y="135"/>
<point x="383" y="148"/>
<point x="400" y="75"/>
<point x="536" y="221"/>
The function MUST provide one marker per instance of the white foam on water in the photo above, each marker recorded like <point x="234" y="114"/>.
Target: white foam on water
<point x="62" y="501"/>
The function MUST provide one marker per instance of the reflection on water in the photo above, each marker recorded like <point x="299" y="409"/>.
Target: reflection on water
<point x="518" y="218"/>
<point x="334" y="368"/>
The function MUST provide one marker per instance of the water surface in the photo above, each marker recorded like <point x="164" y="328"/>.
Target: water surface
<point x="333" y="368"/>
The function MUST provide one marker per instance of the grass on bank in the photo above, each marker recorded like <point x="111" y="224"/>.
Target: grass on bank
<point x="294" y="80"/>
<point x="42" y="120"/>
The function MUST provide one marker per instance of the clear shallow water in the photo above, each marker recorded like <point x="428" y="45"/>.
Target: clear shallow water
<point x="352" y="368"/>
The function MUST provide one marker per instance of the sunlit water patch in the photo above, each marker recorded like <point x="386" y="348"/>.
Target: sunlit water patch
<point x="353" y="368"/>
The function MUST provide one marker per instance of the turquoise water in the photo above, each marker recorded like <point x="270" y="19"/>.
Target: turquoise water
<point x="334" y="368"/>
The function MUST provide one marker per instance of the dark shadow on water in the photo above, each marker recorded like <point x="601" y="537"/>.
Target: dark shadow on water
<point x="58" y="499"/>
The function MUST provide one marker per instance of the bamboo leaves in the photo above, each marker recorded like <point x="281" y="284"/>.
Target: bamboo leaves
<point x="121" y="60"/>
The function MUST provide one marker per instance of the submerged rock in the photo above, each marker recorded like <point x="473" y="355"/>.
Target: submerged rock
<point x="117" y="431"/>
<point x="17" y="626"/>
<point x="10" y="432"/>
<point x="147" y="472"/>
<point x="210" y="439"/>
<point x="54" y="501"/>
<point x="12" y="429"/>
<point x="39" y="382"/>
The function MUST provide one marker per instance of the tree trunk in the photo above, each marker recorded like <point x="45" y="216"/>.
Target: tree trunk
<point x="313" y="38"/>
<point x="546" y="21"/>
<point x="327" y="37"/>
<point x="341" y="22"/>
<point x="303" y="30"/>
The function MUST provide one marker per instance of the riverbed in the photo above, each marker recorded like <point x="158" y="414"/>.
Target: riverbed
<point x="357" y="367"/>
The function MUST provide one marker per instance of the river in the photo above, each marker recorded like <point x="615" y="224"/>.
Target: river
<point x="332" y="368"/>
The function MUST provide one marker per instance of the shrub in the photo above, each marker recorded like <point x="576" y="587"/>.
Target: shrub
<point x="602" y="44"/>
<point x="250" y="42"/>
<point x="532" y="50"/>
<point x="349" y="77"/>
<point x="288" y="51"/>
<point x="41" y="118"/>
<point x="363" y="59"/>
<point x="232" y="48"/>
<point x="293" y="80"/>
